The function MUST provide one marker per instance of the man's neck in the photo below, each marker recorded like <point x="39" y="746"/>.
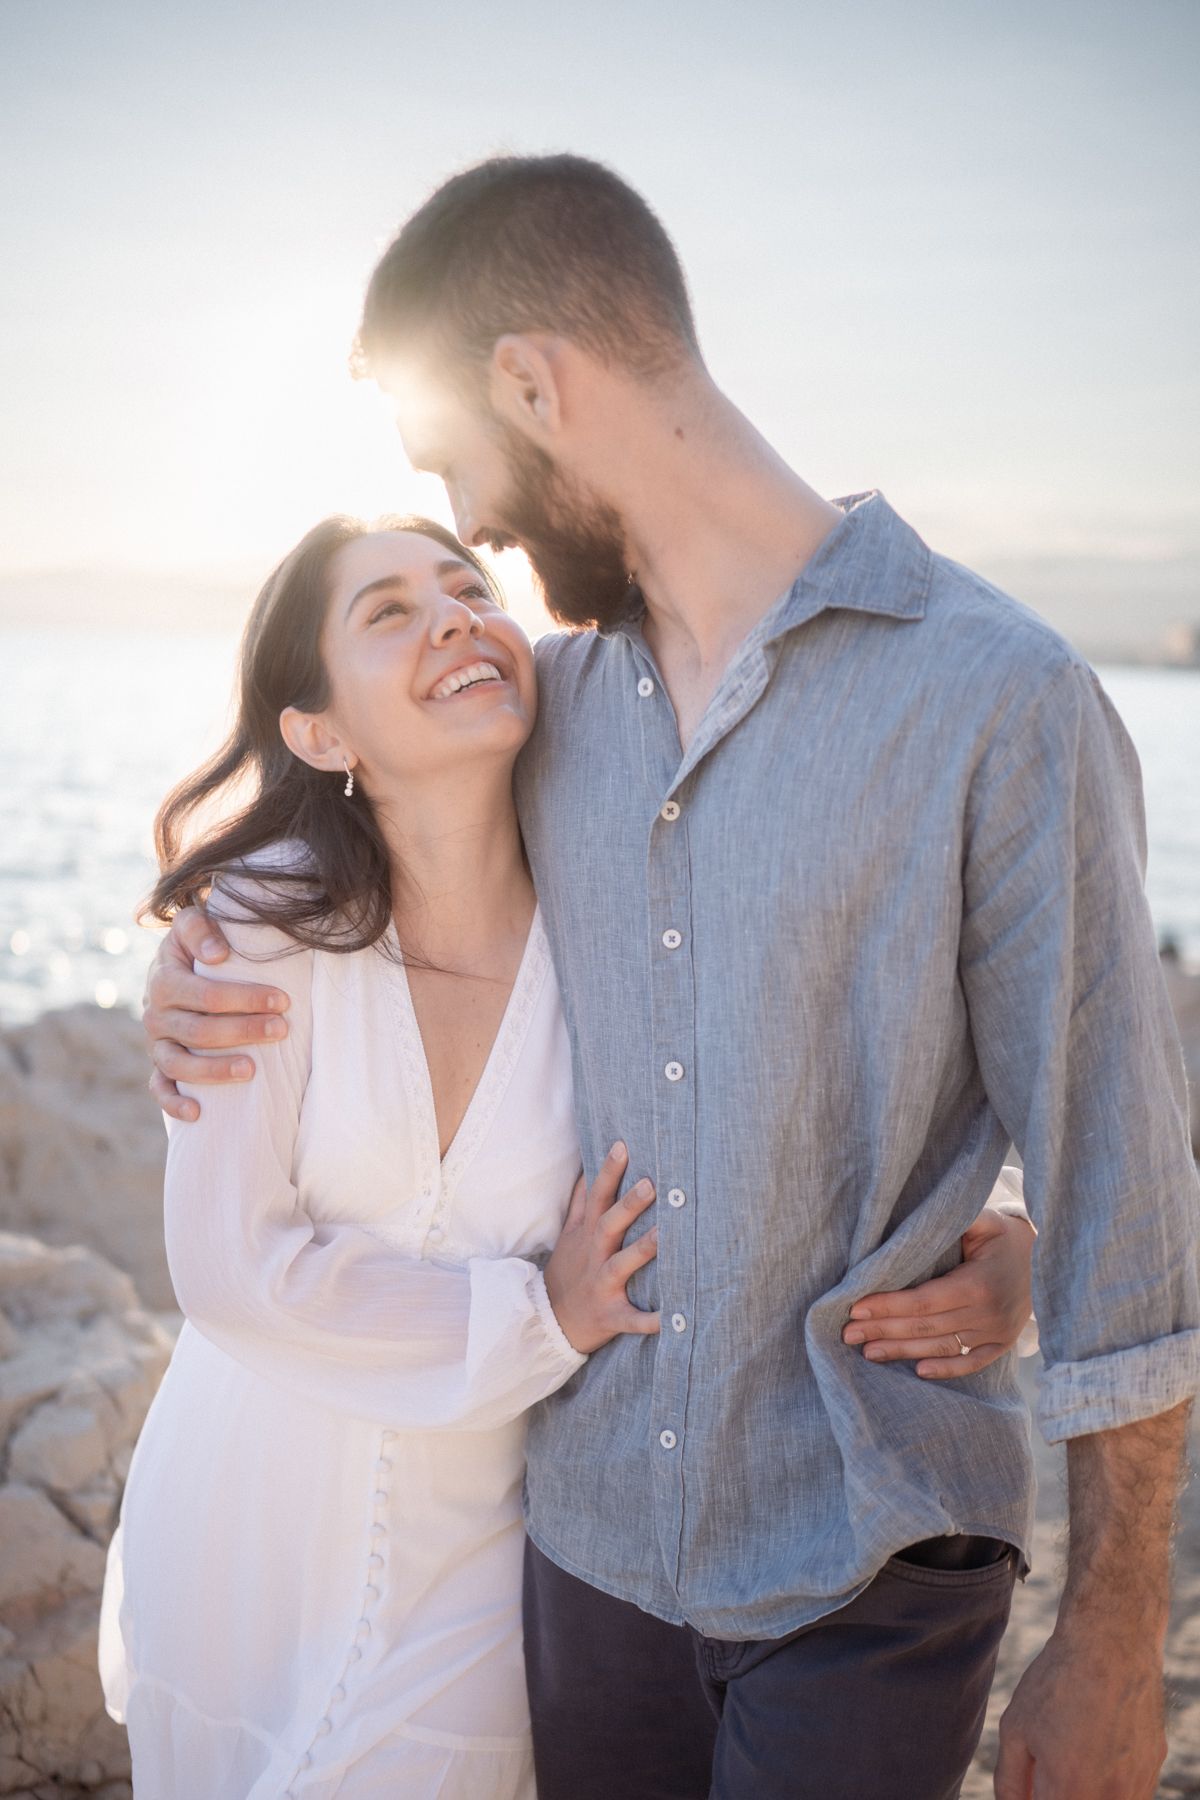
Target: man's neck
<point x="717" y="528"/>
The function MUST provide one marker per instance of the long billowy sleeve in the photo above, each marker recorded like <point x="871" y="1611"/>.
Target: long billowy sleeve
<point x="327" y="1308"/>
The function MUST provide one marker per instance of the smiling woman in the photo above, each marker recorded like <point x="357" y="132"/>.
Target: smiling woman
<point x="386" y="652"/>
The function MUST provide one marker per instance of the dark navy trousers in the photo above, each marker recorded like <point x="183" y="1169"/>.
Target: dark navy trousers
<point x="881" y="1700"/>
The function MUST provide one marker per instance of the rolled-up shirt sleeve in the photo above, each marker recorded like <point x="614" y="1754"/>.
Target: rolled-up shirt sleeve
<point x="1080" y="1057"/>
<point x="325" y="1306"/>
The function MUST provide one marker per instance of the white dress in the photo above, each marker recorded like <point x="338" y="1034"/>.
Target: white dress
<point x="315" y="1589"/>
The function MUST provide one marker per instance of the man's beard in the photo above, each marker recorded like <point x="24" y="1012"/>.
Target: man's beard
<point x="574" y="542"/>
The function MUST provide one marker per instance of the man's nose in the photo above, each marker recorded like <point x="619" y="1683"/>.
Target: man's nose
<point x="466" y="523"/>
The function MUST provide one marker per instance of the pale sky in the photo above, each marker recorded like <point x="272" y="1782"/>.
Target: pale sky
<point x="944" y="247"/>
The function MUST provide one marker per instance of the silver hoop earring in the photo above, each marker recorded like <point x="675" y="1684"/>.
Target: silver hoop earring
<point x="349" y="787"/>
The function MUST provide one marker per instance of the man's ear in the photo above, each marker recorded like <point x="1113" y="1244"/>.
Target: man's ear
<point x="311" y="737"/>
<point x="523" y="382"/>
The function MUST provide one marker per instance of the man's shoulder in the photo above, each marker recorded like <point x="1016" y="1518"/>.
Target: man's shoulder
<point x="967" y="613"/>
<point x="562" y="654"/>
<point x="568" y="661"/>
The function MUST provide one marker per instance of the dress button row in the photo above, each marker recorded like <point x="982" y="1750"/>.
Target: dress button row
<point x="382" y="1465"/>
<point x="378" y="1530"/>
<point x="374" y="1562"/>
<point x="379" y="1497"/>
<point x="362" y="1631"/>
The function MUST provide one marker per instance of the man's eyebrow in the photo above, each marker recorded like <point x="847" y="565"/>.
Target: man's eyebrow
<point x="447" y="566"/>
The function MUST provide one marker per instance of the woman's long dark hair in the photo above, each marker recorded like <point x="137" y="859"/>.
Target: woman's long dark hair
<point x="341" y="897"/>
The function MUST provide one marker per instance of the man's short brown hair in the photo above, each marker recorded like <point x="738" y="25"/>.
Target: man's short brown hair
<point x="529" y="243"/>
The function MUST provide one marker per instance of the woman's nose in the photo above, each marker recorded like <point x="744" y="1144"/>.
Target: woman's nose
<point x="455" y="619"/>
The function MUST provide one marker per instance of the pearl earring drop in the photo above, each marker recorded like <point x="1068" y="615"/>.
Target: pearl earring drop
<point x="349" y="787"/>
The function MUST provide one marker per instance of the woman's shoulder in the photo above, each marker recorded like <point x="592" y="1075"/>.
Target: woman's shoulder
<point x="250" y="900"/>
<point x="267" y="874"/>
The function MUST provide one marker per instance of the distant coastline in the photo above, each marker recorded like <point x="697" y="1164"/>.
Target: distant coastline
<point x="1137" y="611"/>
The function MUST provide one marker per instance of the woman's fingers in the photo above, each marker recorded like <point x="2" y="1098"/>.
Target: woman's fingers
<point x="626" y="1263"/>
<point x="618" y="1218"/>
<point x="945" y="1368"/>
<point x="636" y="1323"/>
<point x="912" y="1325"/>
<point x="603" y="1190"/>
<point x="938" y="1358"/>
<point x="577" y="1205"/>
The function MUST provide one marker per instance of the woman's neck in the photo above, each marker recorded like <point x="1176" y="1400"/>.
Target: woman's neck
<point x="461" y="883"/>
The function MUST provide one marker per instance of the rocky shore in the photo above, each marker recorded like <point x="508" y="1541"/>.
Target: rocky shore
<point x="86" y="1325"/>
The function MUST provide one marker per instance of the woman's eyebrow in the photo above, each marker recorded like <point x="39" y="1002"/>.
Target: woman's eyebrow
<point x="446" y="567"/>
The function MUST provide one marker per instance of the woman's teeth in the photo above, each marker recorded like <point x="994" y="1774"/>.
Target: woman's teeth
<point x="463" y="678"/>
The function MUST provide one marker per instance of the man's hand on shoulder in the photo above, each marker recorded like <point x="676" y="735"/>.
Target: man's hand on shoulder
<point x="185" y="1013"/>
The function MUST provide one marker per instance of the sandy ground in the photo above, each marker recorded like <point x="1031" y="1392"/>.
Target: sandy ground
<point x="1036" y="1602"/>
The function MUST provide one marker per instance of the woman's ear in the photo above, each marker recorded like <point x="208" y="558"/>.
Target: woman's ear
<point x="311" y="737"/>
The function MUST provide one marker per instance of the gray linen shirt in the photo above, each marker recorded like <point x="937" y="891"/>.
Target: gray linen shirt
<point x="884" y="916"/>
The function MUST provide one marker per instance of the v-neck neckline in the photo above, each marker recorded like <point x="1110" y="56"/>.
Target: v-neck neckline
<point x="494" y="1077"/>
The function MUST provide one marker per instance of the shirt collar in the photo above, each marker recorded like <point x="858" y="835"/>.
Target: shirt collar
<point x="870" y="562"/>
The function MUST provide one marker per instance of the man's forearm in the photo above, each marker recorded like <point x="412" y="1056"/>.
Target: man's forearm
<point x="1123" y="1488"/>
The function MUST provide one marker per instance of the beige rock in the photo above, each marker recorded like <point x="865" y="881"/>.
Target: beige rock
<point x="43" y="1552"/>
<point x="54" y="1733"/>
<point x="82" y="1143"/>
<point x="73" y="1393"/>
<point x="62" y="1446"/>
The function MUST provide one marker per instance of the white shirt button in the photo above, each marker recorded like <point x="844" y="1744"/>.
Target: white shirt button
<point x="678" y="1322"/>
<point x="671" y="811"/>
<point x="382" y="1466"/>
<point x="667" y="1439"/>
<point x="355" y="1656"/>
<point x="374" y="1562"/>
<point x="370" y="1595"/>
<point x="338" y="1694"/>
<point x="672" y="939"/>
<point x="362" y="1631"/>
<point x="676" y="1197"/>
<point x="645" y="687"/>
<point x="324" y="1728"/>
<point x="379" y="1497"/>
<point x="435" y="1234"/>
<point x="377" y="1530"/>
<point x="674" y="1071"/>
